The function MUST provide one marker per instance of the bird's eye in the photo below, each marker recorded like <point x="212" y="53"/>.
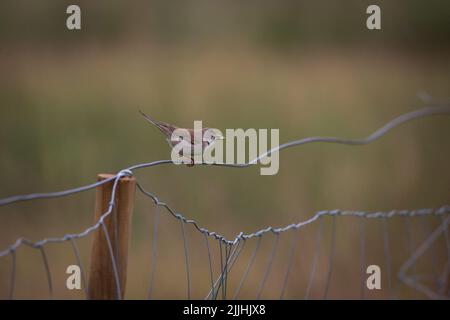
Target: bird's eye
<point x="181" y="138"/>
<point x="213" y="138"/>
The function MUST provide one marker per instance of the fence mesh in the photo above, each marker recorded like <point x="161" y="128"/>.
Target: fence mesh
<point x="245" y="249"/>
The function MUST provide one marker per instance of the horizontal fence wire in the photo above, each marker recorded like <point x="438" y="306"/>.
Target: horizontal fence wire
<point x="231" y="248"/>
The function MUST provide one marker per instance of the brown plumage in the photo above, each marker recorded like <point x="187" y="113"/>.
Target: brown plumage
<point x="168" y="129"/>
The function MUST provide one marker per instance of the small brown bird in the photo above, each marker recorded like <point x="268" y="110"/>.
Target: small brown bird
<point x="168" y="129"/>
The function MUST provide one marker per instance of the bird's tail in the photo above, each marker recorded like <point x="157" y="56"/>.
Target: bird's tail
<point x="165" y="128"/>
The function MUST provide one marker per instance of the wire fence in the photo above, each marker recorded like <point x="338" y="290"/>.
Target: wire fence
<point x="230" y="250"/>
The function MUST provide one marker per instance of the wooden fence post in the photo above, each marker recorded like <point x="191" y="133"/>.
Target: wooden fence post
<point x="102" y="281"/>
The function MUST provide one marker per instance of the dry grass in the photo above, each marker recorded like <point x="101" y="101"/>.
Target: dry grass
<point x="67" y="115"/>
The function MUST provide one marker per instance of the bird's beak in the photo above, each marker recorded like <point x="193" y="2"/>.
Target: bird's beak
<point x="220" y="138"/>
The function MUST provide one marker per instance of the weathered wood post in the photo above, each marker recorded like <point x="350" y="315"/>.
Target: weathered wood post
<point x="102" y="281"/>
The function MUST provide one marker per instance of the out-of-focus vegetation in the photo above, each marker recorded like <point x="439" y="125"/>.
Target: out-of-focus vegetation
<point x="68" y="110"/>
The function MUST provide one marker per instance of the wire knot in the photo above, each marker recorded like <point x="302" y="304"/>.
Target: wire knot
<point x="125" y="173"/>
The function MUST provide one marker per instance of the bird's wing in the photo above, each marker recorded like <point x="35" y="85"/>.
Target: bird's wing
<point x="196" y="139"/>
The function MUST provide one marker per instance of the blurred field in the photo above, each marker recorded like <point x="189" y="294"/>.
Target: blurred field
<point x="69" y="110"/>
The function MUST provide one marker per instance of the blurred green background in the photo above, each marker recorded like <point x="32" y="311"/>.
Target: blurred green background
<point x="69" y="104"/>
